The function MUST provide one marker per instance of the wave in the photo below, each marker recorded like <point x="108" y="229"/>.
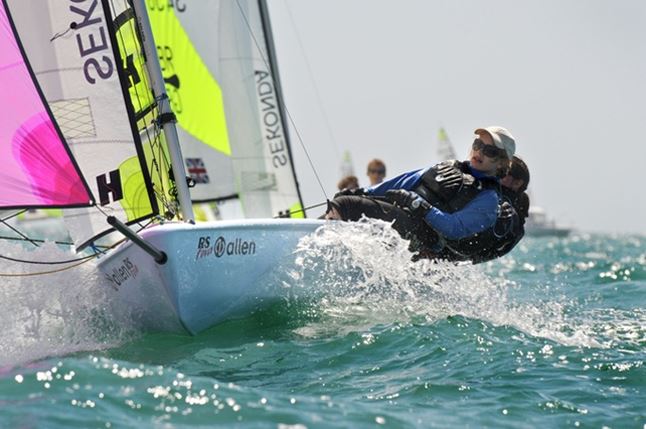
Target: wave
<point x="346" y="277"/>
<point x="367" y="277"/>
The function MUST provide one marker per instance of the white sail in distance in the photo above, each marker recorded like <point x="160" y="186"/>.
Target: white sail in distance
<point x="445" y="150"/>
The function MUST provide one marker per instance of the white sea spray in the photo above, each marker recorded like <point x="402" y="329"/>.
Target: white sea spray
<point x="363" y="274"/>
<point x="56" y="309"/>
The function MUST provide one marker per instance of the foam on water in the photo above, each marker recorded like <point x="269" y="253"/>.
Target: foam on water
<point x="52" y="314"/>
<point x="369" y="278"/>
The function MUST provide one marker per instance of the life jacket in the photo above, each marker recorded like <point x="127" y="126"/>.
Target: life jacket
<point x="449" y="186"/>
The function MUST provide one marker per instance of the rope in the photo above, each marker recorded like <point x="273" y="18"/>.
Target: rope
<point x="289" y="212"/>
<point x="40" y="273"/>
<point x="23" y="261"/>
<point x="81" y="261"/>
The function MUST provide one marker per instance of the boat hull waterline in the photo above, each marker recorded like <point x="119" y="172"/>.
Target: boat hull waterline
<point x="215" y="271"/>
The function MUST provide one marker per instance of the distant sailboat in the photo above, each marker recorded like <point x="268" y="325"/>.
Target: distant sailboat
<point x="539" y="225"/>
<point x="347" y="167"/>
<point x="445" y="150"/>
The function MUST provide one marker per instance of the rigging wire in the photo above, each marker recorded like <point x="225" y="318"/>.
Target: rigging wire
<point x="316" y="90"/>
<point x="100" y="250"/>
<point x="13" y="215"/>
<point x="40" y="240"/>
<point x="16" y="230"/>
<point x="303" y="210"/>
<point x="284" y="106"/>
<point x="157" y="151"/>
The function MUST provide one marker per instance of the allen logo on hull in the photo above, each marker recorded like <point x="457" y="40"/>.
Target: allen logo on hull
<point x="221" y="247"/>
<point x="122" y="273"/>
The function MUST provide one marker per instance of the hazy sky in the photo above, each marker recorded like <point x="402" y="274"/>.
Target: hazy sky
<point x="566" y="77"/>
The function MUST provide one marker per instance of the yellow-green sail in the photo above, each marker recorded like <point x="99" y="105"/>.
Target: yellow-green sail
<point x="215" y="60"/>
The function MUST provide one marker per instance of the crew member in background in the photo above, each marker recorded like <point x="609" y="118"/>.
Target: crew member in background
<point x="376" y="171"/>
<point x="450" y="201"/>
<point x="348" y="182"/>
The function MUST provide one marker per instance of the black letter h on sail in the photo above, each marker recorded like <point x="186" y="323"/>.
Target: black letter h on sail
<point x="113" y="187"/>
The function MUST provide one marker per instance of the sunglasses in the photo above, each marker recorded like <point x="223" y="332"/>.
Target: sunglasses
<point x="379" y="171"/>
<point x="487" y="149"/>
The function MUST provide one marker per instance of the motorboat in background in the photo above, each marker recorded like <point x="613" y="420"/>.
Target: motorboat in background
<point x="538" y="224"/>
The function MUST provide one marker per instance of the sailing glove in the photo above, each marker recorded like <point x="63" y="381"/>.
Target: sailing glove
<point x="408" y="200"/>
<point x="356" y="192"/>
<point x="506" y="211"/>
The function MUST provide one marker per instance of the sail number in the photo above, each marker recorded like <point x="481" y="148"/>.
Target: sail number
<point x="161" y="5"/>
<point x="171" y="78"/>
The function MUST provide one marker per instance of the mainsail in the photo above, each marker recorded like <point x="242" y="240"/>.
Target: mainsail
<point x="215" y="57"/>
<point x="67" y="60"/>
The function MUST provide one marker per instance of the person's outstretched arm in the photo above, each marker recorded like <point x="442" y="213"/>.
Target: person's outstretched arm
<point x="406" y="181"/>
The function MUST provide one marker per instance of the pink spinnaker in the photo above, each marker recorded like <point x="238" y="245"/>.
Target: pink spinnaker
<point x="35" y="167"/>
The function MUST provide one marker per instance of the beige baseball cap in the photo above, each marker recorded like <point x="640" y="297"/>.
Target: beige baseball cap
<point x="501" y="137"/>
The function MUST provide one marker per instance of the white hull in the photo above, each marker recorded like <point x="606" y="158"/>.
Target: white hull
<point x="215" y="271"/>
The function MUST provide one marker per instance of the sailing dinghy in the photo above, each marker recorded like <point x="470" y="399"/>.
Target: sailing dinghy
<point x="89" y="127"/>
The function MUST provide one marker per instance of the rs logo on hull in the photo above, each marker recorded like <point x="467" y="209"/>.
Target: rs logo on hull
<point x="221" y="247"/>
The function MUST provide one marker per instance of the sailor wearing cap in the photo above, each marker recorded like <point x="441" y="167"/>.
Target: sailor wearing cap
<point x="447" y="202"/>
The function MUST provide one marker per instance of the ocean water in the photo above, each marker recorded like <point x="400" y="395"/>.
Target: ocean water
<point x="552" y="335"/>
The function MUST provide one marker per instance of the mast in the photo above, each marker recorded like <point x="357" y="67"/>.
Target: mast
<point x="167" y="116"/>
<point x="273" y="66"/>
